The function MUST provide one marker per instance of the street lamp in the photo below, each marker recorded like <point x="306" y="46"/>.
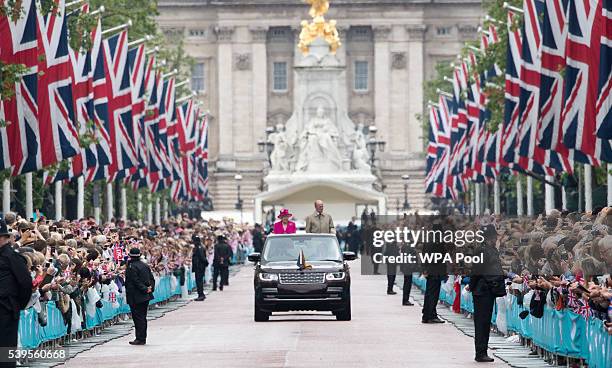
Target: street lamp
<point x="267" y="146"/>
<point x="238" y="179"/>
<point x="374" y="144"/>
<point x="406" y="178"/>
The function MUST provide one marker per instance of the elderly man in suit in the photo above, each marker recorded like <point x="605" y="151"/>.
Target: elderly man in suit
<point x="320" y="222"/>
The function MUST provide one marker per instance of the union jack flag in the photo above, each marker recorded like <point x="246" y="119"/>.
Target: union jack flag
<point x="19" y="46"/>
<point x="583" y="56"/>
<point x="59" y="138"/>
<point x="119" y="104"/>
<point x="604" y="100"/>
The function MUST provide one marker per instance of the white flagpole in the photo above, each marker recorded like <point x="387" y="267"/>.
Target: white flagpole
<point x="609" y="185"/>
<point x="529" y="196"/>
<point x="80" y="197"/>
<point x="109" y="202"/>
<point x="496" y="199"/>
<point x="157" y="211"/>
<point x="139" y="206"/>
<point x="563" y="199"/>
<point x="165" y="209"/>
<point x="96" y="201"/>
<point x="6" y="196"/>
<point x="29" y="200"/>
<point x="124" y="204"/>
<point x="477" y="190"/>
<point x="549" y="195"/>
<point x="588" y="189"/>
<point x="58" y="200"/>
<point x="149" y="211"/>
<point x="519" y="197"/>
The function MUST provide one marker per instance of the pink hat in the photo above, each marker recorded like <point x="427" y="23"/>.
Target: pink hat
<point x="284" y="212"/>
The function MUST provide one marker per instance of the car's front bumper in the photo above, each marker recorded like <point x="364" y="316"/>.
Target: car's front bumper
<point x="284" y="298"/>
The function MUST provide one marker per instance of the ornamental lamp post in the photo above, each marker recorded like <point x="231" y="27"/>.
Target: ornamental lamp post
<point x="406" y="178"/>
<point x="238" y="179"/>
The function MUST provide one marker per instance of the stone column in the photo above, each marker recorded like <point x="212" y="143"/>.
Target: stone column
<point x="416" y="72"/>
<point x="382" y="80"/>
<point x="259" y="86"/>
<point x="225" y="35"/>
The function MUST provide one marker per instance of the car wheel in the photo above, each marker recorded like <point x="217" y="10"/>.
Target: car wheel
<point x="259" y="315"/>
<point x="345" y="314"/>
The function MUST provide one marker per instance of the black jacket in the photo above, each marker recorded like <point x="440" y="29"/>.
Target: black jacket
<point x="199" y="262"/>
<point x="15" y="281"/>
<point x="138" y="277"/>
<point x="487" y="275"/>
<point x="258" y="242"/>
<point x="223" y="254"/>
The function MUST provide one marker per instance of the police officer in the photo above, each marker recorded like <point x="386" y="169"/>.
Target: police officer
<point x="139" y="288"/>
<point x="436" y="271"/>
<point x="15" y="291"/>
<point x="221" y="262"/>
<point x="487" y="281"/>
<point x="199" y="262"/>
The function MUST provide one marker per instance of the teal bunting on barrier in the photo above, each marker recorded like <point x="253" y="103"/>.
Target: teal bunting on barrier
<point x="561" y="332"/>
<point x="32" y="334"/>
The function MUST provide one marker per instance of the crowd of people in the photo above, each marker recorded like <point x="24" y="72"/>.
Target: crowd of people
<point x="78" y="264"/>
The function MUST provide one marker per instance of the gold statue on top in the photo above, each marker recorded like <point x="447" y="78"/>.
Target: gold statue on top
<point x="318" y="27"/>
<point x="318" y="7"/>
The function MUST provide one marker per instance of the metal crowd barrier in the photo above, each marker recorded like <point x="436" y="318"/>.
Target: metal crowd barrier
<point x="558" y="333"/>
<point x="33" y="335"/>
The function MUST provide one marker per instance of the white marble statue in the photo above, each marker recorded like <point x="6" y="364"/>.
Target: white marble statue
<point x="318" y="150"/>
<point x="281" y="155"/>
<point x="360" y="154"/>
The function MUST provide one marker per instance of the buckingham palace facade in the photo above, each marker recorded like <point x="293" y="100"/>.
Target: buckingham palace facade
<point x="244" y="52"/>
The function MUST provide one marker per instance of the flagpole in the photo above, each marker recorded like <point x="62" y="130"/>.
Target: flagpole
<point x="549" y="195"/>
<point x="588" y="189"/>
<point x="124" y="204"/>
<point x="563" y="199"/>
<point x="139" y="207"/>
<point x="6" y="196"/>
<point x="519" y="197"/>
<point x="609" y="185"/>
<point x="29" y="201"/>
<point x="496" y="202"/>
<point x="96" y="202"/>
<point x="80" y="197"/>
<point x="118" y="28"/>
<point x="140" y="40"/>
<point x="157" y="211"/>
<point x="477" y="199"/>
<point x="165" y="209"/>
<point x="109" y="202"/>
<point x="529" y="196"/>
<point x="149" y="220"/>
<point x="58" y="201"/>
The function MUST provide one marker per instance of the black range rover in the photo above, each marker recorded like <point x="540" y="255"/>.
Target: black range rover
<point x="297" y="272"/>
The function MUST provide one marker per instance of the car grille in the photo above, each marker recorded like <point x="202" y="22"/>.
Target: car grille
<point x="302" y="278"/>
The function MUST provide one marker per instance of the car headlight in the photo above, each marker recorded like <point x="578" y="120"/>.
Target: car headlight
<point x="334" y="276"/>
<point x="268" y="276"/>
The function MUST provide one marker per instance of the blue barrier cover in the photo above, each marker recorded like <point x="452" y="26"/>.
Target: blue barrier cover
<point x="32" y="334"/>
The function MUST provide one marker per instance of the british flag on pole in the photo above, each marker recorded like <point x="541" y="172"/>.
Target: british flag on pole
<point x="19" y="46"/>
<point x="119" y="104"/>
<point x="59" y="137"/>
<point x="604" y="99"/>
<point x="586" y="24"/>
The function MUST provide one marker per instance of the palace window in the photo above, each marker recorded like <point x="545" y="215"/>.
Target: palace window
<point x="279" y="72"/>
<point x="443" y="31"/>
<point x="197" y="77"/>
<point x="198" y="32"/>
<point x="361" y="76"/>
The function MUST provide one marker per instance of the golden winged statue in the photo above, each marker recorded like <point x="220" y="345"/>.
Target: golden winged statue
<point x="318" y="27"/>
<point x="318" y="7"/>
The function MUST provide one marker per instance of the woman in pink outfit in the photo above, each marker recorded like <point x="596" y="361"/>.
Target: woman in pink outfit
<point x="284" y="226"/>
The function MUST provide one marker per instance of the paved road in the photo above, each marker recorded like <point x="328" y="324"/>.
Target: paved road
<point x="220" y="332"/>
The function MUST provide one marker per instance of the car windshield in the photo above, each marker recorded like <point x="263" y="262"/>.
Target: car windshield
<point x="282" y="249"/>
